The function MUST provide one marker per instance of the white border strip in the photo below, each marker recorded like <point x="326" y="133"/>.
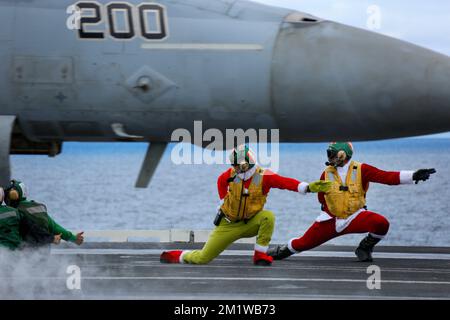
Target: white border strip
<point x="243" y="279"/>
<point x="327" y="254"/>
<point x="267" y="279"/>
<point x="203" y="46"/>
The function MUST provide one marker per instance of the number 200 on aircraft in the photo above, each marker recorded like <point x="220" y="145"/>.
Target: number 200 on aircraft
<point x="151" y="18"/>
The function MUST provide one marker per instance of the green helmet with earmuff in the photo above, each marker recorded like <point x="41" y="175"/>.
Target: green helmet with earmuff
<point x="16" y="192"/>
<point x="338" y="153"/>
<point x="242" y="158"/>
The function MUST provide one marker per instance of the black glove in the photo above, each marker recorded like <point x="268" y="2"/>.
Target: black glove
<point x="423" y="174"/>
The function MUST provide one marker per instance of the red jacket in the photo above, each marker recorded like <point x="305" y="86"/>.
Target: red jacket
<point x="270" y="180"/>
<point x="369" y="174"/>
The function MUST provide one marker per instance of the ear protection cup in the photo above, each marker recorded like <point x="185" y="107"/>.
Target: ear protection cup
<point x="342" y="156"/>
<point x="244" y="166"/>
<point x="13" y="195"/>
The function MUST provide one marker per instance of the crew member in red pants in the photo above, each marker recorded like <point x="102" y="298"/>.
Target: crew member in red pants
<point x="344" y="206"/>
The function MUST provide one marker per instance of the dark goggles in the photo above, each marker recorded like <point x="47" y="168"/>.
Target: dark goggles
<point x="331" y="153"/>
<point x="243" y="167"/>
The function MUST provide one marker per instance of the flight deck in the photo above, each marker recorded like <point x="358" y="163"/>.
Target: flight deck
<point x="133" y="271"/>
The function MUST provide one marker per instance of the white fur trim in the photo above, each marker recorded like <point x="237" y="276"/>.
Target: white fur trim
<point x="377" y="236"/>
<point x="342" y="171"/>
<point x="261" y="248"/>
<point x="182" y="255"/>
<point x="406" y="177"/>
<point x="303" y="187"/>
<point x="341" y="224"/>
<point x="323" y="217"/>
<point x="248" y="174"/>
<point x="290" y="246"/>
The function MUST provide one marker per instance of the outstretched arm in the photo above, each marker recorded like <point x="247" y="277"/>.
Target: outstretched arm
<point x="372" y="174"/>
<point x="273" y="180"/>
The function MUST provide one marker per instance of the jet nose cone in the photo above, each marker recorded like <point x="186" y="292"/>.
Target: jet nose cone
<point x="359" y="85"/>
<point x="424" y="95"/>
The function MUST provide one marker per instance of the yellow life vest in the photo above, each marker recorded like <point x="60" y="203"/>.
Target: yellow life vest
<point x="343" y="200"/>
<point x="240" y="203"/>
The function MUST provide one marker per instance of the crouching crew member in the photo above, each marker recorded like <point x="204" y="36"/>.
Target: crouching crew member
<point x="14" y="227"/>
<point x="36" y="213"/>
<point x="344" y="205"/>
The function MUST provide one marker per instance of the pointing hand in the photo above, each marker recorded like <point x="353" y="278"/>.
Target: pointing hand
<point x="423" y="175"/>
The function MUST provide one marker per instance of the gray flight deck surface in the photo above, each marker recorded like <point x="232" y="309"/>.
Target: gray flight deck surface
<point x="133" y="271"/>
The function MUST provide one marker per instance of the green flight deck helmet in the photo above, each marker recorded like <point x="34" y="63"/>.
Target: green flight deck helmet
<point x="242" y="158"/>
<point x="338" y="153"/>
<point x="16" y="192"/>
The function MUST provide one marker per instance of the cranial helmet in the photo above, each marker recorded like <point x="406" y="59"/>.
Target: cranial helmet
<point x="242" y="158"/>
<point x="16" y="192"/>
<point x="339" y="152"/>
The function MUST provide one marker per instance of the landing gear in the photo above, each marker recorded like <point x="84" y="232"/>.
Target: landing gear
<point x="155" y="152"/>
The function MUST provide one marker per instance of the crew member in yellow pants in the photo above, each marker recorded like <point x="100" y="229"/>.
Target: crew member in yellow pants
<point x="243" y="190"/>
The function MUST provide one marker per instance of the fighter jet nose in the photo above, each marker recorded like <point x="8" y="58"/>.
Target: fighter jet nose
<point x="363" y="81"/>
<point x="410" y="86"/>
<point x="426" y="97"/>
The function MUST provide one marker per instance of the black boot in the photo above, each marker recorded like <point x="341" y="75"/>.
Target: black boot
<point x="279" y="252"/>
<point x="365" y="249"/>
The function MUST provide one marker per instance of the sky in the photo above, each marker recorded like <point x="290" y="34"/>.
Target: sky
<point x="425" y="23"/>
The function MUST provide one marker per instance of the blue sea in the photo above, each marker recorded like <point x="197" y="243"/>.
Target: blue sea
<point x="90" y="186"/>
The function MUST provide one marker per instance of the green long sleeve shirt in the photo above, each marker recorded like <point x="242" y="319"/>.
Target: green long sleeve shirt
<point x="55" y="229"/>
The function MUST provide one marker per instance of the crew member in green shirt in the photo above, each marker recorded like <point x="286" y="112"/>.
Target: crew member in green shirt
<point x="16" y="197"/>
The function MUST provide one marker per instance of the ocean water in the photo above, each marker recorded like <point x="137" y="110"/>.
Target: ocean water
<point x="91" y="187"/>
